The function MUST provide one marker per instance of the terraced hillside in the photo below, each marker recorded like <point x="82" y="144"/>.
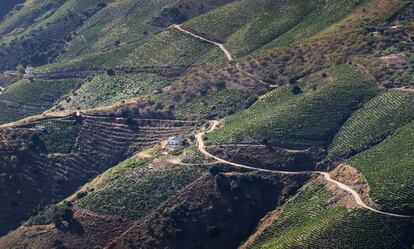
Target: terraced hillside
<point x="249" y="25"/>
<point x="46" y="29"/>
<point x="166" y="48"/>
<point x="136" y="187"/>
<point x="382" y="115"/>
<point x="7" y="6"/>
<point x="313" y="219"/>
<point x="189" y="124"/>
<point x="104" y="90"/>
<point x="388" y="168"/>
<point x="288" y="117"/>
<point x="127" y="21"/>
<point x="46" y="169"/>
<point x="28" y="97"/>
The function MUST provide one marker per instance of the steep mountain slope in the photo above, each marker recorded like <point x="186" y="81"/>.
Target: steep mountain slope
<point x="42" y="41"/>
<point x="6" y="6"/>
<point x="129" y="21"/>
<point x="313" y="219"/>
<point x="45" y="167"/>
<point x="291" y="135"/>
<point x="304" y="119"/>
<point x="388" y="170"/>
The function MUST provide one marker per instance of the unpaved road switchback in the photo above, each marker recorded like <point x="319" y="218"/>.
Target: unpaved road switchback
<point x="214" y="124"/>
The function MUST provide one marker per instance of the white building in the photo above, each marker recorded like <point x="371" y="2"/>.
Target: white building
<point x="29" y="70"/>
<point x="175" y="141"/>
<point x="40" y="128"/>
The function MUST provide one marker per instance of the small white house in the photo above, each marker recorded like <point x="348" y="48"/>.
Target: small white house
<point x="41" y="128"/>
<point x="29" y="70"/>
<point x="175" y="141"/>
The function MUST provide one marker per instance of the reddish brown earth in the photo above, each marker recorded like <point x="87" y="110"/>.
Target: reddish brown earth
<point x="88" y="231"/>
<point x="206" y="214"/>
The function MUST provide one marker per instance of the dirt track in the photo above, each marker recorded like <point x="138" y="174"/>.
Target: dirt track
<point x="326" y="175"/>
<point x="221" y="46"/>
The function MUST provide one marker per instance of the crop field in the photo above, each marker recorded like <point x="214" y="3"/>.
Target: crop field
<point x="24" y="16"/>
<point x="9" y="113"/>
<point x="385" y="113"/>
<point x="388" y="168"/>
<point x="39" y="92"/>
<point x="168" y="48"/>
<point x="193" y="155"/>
<point x="121" y="21"/>
<point x="227" y="100"/>
<point x="105" y="90"/>
<point x="310" y="118"/>
<point x="25" y="98"/>
<point x="273" y="23"/>
<point x="133" y="189"/>
<point x="74" y="6"/>
<point x="218" y="24"/>
<point x="60" y="135"/>
<point x="124" y="22"/>
<point x="308" y="221"/>
<point x="324" y="14"/>
<point x="101" y="59"/>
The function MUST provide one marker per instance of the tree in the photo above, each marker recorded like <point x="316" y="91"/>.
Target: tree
<point x="296" y="90"/>
<point x="110" y="72"/>
<point x="60" y="214"/>
<point x="20" y="69"/>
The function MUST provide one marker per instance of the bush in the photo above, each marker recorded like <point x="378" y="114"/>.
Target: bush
<point x="213" y="231"/>
<point x="81" y="194"/>
<point x="57" y="214"/>
<point x="296" y="90"/>
<point x="110" y="72"/>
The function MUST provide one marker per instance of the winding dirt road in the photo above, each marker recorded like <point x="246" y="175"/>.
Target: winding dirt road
<point x="221" y="46"/>
<point x="226" y="52"/>
<point x="326" y="175"/>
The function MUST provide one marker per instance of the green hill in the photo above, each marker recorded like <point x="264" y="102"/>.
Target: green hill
<point x="308" y="221"/>
<point x="133" y="188"/>
<point x="6" y="6"/>
<point x="245" y="26"/>
<point x="308" y="118"/>
<point x="381" y="115"/>
<point x="29" y="97"/>
<point x="388" y="170"/>
<point x="131" y="22"/>
<point x="116" y="84"/>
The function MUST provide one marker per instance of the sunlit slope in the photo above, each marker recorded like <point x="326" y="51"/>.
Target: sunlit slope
<point x="104" y="90"/>
<point x="135" y="188"/>
<point x="127" y="21"/>
<point x="30" y="97"/>
<point x="310" y="118"/>
<point x="309" y="221"/>
<point x="244" y="26"/>
<point x="389" y="170"/>
<point x="167" y="48"/>
<point x="383" y="114"/>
